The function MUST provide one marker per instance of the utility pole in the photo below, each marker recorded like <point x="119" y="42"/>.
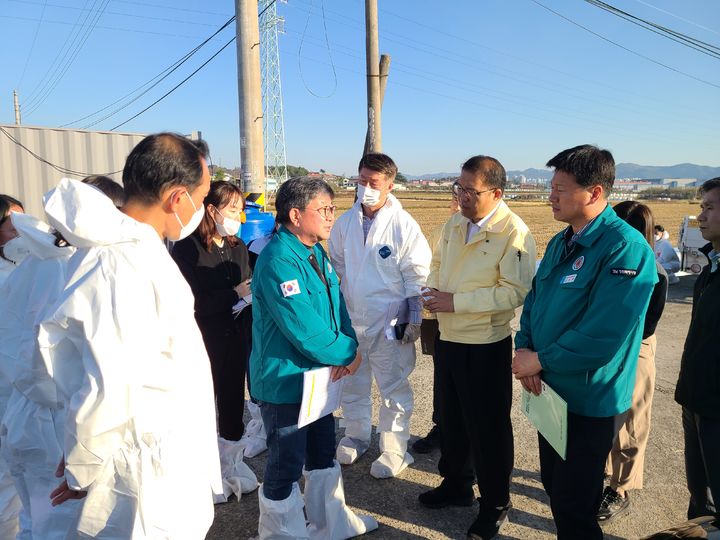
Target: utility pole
<point x="17" y="108"/>
<point x="250" y="97"/>
<point x="384" y="71"/>
<point x="372" y="58"/>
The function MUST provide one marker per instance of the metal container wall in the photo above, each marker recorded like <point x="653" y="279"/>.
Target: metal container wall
<point x="26" y="177"/>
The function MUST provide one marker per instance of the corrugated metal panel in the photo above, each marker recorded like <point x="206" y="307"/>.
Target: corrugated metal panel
<point x="26" y="177"/>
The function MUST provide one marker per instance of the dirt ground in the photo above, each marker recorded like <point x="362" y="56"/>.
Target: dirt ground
<point x="393" y="502"/>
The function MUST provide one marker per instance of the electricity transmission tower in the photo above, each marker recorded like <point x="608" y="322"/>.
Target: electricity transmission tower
<point x="273" y="122"/>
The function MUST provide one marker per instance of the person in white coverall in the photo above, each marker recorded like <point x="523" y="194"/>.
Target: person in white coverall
<point x="666" y="255"/>
<point x="13" y="249"/>
<point x="127" y="355"/>
<point x="383" y="260"/>
<point x="33" y="421"/>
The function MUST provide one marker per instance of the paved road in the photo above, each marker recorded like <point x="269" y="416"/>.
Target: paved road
<point x="660" y="504"/>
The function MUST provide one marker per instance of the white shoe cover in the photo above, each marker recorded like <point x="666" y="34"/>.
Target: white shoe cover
<point x="255" y="438"/>
<point x="390" y="464"/>
<point x="280" y="520"/>
<point x="349" y="450"/>
<point x="237" y="477"/>
<point x="329" y="518"/>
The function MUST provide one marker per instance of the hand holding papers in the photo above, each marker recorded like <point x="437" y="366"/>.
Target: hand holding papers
<point x="244" y="302"/>
<point x="321" y="396"/>
<point x="548" y="413"/>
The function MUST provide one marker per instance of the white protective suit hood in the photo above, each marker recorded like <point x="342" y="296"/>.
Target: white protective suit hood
<point x="39" y="237"/>
<point x="29" y="292"/>
<point x="127" y="355"/>
<point x="99" y="223"/>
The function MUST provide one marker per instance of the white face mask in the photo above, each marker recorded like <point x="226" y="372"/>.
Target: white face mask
<point x="368" y="196"/>
<point x="187" y="230"/>
<point x="16" y="249"/>
<point x="229" y="227"/>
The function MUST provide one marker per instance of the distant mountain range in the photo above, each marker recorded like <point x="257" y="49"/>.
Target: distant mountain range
<point x="622" y="170"/>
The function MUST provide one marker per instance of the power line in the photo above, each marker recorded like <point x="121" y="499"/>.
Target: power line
<point x="158" y="78"/>
<point x="683" y="39"/>
<point x="332" y="63"/>
<point x="623" y="47"/>
<point x="32" y="46"/>
<point x="59" y="168"/>
<point x="189" y="76"/>
<point x="186" y="79"/>
<point x="82" y="40"/>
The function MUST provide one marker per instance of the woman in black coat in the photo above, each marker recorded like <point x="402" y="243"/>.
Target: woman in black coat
<point x="216" y="265"/>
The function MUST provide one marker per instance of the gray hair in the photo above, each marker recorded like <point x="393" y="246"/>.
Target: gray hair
<point x="297" y="193"/>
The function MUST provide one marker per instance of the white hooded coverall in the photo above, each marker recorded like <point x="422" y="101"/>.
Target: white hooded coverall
<point x="382" y="271"/>
<point x="32" y="426"/>
<point x="126" y="353"/>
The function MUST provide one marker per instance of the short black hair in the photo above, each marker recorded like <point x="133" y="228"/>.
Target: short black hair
<point x="6" y="203"/>
<point x="297" y="193"/>
<point x="589" y="165"/>
<point x="161" y="161"/>
<point x="659" y="228"/>
<point x="108" y="186"/>
<point x="378" y="162"/>
<point x="709" y="185"/>
<point x="489" y="168"/>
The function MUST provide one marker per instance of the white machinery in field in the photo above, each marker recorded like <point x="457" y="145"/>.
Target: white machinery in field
<point x="689" y="243"/>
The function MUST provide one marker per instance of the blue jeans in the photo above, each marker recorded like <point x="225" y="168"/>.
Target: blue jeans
<point x="290" y="448"/>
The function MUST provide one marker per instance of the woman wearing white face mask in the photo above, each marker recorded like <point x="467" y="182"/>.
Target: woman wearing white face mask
<point x="215" y="263"/>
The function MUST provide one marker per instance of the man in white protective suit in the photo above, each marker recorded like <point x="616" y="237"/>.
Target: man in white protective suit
<point x="383" y="259"/>
<point x="33" y="420"/>
<point x="127" y="355"/>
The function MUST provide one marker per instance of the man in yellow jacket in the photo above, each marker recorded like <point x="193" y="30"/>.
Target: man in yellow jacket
<point x="481" y="271"/>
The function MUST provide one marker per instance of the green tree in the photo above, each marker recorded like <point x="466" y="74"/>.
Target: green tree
<point x="296" y="171"/>
<point x="400" y="177"/>
<point x="219" y="174"/>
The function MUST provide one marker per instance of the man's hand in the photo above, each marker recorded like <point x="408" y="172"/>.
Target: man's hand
<point x="63" y="492"/>
<point x="412" y="333"/>
<point x="355" y="365"/>
<point x="525" y="363"/>
<point x="532" y="384"/>
<point x="438" y="301"/>
<point x="338" y="372"/>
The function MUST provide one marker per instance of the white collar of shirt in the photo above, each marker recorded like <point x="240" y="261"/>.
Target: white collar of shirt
<point x="713" y="256"/>
<point x="475" y="227"/>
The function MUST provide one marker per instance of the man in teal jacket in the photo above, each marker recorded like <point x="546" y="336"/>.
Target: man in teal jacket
<point x="300" y="323"/>
<point x="581" y="329"/>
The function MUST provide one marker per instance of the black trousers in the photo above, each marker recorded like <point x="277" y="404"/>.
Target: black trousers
<point x="575" y="485"/>
<point x="228" y="362"/>
<point x="428" y="335"/>
<point x="475" y="429"/>
<point x="702" y="463"/>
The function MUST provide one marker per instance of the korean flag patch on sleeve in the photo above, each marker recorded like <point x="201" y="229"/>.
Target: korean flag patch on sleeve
<point x="290" y="288"/>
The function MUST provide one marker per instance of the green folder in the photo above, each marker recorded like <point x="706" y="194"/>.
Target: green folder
<point x="548" y="413"/>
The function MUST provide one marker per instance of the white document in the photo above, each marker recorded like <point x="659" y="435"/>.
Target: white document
<point x="397" y="313"/>
<point x="320" y="395"/>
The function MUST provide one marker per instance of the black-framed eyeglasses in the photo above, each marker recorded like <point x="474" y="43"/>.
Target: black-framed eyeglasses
<point x="325" y="211"/>
<point x="459" y="191"/>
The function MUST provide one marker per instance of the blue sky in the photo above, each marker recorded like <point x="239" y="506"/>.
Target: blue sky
<point x="505" y="78"/>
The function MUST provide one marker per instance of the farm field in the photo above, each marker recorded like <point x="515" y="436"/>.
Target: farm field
<point x="431" y="209"/>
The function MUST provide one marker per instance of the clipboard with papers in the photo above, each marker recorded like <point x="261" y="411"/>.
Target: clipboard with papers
<point x="320" y="397"/>
<point x="548" y="413"/>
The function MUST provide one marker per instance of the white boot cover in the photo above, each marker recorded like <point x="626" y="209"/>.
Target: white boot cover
<point x="349" y="450"/>
<point x="328" y="516"/>
<point x="394" y="458"/>
<point x="237" y="477"/>
<point x="254" y="438"/>
<point x="282" y="520"/>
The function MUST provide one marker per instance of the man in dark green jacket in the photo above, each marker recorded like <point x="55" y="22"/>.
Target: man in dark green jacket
<point x="698" y="387"/>
<point x="581" y="329"/>
<point x="300" y="323"/>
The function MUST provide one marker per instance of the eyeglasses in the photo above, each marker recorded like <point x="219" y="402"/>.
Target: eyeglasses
<point x="325" y="211"/>
<point x="459" y="191"/>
